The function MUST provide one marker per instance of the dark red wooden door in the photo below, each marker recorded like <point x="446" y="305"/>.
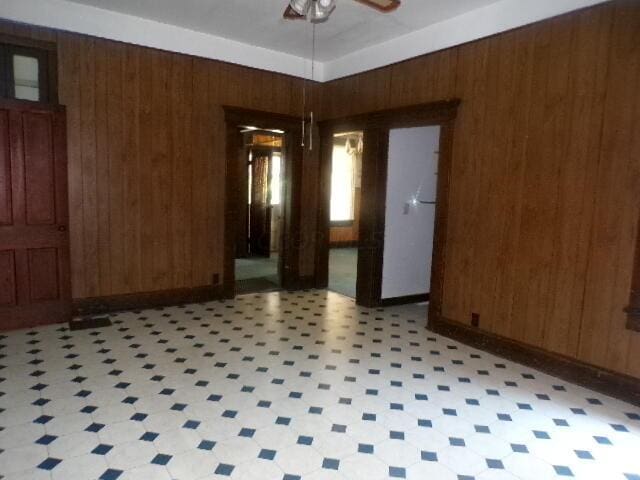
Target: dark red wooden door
<point x="35" y="285"/>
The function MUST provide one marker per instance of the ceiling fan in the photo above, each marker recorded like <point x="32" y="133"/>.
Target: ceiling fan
<point x="317" y="11"/>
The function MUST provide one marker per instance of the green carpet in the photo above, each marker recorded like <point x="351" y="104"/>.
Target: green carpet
<point x="257" y="274"/>
<point x="255" y="285"/>
<point x="257" y="267"/>
<point x="343" y="269"/>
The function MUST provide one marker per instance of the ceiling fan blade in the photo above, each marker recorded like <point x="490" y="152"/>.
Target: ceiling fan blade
<point x="383" y="6"/>
<point x="291" y="14"/>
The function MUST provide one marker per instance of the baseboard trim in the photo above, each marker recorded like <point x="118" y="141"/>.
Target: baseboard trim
<point x="607" y="382"/>
<point x="136" y="301"/>
<point x="390" y="302"/>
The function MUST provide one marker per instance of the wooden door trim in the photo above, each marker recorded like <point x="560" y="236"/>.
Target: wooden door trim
<point x="372" y="212"/>
<point x="378" y="124"/>
<point x="633" y="309"/>
<point x="32" y="106"/>
<point x="291" y="201"/>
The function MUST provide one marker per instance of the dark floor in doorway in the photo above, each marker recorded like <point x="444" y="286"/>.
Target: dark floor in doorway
<point x="255" y="285"/>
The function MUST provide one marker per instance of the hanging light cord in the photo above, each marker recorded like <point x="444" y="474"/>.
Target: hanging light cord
<point x="304" y="102"/>
<point x="304" y="92"/>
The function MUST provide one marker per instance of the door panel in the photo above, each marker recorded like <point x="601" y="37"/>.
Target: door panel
<point x="7" y="279"/>
<point x="5" y="171"/>
<point x="39" y="169"/>
<point x="43" y="274"/>
<point x="34" y="241"/>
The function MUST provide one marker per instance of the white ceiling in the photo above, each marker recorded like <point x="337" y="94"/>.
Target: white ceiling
<point x="351" y="27"/>
<point x="253" y="33"/>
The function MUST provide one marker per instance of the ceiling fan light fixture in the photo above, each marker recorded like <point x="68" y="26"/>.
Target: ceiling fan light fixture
<point x="301" y="7"/>
<point x="321" y="9"/>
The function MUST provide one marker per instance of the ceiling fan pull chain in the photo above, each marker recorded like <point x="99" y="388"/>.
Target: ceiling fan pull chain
<point x="304" y="102"/>
<point x="313" y="70"/>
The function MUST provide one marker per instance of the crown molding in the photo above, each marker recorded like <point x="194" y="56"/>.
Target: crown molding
<point x="498" y="17"/>
<point x="78" y="18"/>
<point x="483" y="22"/>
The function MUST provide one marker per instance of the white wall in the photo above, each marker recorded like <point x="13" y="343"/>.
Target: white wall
<point x="409" y="225"/>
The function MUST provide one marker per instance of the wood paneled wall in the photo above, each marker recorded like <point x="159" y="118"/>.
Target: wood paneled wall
<point x="146" y="159"/>
<point x="545" y="192"/>
<point x="545" y="188"/>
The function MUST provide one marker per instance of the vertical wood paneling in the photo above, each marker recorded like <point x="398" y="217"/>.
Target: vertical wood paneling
<point x="131" y="80"/>
<point x="146" y="137"/>
<point x="117" y="163"/>
<point x="216" y="168"/>
<point x="516" y="72"/>
<point x="544" y="197"/>
<point x="88" y="131"/>
<point x="102" y="178"/>
<point x="617" y="198"/>
<point x="544" y="193"/>
<point x="494" y="171"/>
<point x="199" y="173"/>
<point x="161" y="188"/>
<point x="69" y="68"/>
<point x="180" y="94"/>
<point x="578" y="167"/>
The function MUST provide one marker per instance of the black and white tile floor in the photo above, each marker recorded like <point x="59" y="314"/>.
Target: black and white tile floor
<point x="285" y="386"/>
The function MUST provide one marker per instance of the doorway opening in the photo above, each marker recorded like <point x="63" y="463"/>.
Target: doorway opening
<point x="259" y="224"/>
<point x="410" y="213"/>
<point x="411" y="267"/>
<point x="267" y="146"/>
<point x="345" y="201"/>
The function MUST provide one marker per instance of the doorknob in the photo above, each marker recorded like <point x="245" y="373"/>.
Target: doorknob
<point x="62" y="228"/>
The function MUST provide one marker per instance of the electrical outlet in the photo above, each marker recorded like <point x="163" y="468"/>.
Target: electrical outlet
<point x="475" y="319"/>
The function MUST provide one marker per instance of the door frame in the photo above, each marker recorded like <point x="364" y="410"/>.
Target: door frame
<point x="289" y="258"/>
<point x="376" y="126"/>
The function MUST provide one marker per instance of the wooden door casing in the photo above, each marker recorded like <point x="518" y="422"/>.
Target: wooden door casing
<point x="35" y="287"/>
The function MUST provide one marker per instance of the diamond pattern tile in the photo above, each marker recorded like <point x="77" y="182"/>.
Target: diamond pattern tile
<point x="293" y="386"/>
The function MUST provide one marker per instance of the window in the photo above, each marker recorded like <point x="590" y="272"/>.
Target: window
<point x="25" y="78"/>
<point x="342" y="185"/>
<point x="345" y="177"/>
<point x="24" y="73"/>
<point x="274" y="184"/>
